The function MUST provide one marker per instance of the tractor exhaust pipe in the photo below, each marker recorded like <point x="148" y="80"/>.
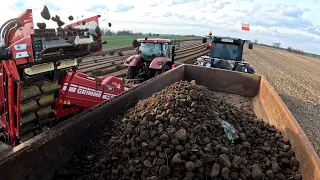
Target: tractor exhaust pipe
<point x="173" y="52"/>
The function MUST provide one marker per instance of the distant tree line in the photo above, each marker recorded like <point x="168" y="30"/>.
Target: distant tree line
<point x="108" y="32"/>
<point x="289" y="49"/>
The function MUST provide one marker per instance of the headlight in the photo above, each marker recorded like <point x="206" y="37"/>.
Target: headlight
<point x="208" y="64"/>
<point x="201" y="63"/>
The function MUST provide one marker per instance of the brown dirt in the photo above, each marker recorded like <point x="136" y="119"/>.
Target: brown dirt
<point x="296" y="79"/>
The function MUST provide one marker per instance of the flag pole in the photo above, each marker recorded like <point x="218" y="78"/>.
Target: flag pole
<point x="241" y="31"/>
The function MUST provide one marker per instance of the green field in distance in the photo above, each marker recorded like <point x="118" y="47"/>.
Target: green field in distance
<point x="121" y="41"/>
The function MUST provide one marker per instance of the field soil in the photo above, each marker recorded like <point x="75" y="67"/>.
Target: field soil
<point x="121" y="41"/>
<point x="296" y="79"/>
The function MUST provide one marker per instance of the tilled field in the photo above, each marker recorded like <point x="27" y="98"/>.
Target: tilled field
<point x="296" y="79"/>
<point x="113" y="64"/>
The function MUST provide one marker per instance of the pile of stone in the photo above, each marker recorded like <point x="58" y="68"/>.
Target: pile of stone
<point x="186" y="132"/>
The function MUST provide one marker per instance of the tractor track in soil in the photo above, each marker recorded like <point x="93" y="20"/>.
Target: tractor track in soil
<point x="104" y="66"/>
<point x="296" y="79"/>
<point x="86" y="63"/>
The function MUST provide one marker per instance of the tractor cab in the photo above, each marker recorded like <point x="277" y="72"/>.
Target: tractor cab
<point x="153" y="57"/>
<point x="152" y="48"/>
<point x="226" y="53"/>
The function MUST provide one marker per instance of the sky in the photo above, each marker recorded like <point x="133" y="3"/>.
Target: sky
<point x="293" y="23"/>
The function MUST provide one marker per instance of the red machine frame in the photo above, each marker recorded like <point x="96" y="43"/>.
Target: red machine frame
<point x="78" y="91"/>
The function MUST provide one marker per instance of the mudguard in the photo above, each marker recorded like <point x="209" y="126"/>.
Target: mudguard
<point x="133" y="61"/>
<point x="159" y="62"/>
<point x="208" y="45"/>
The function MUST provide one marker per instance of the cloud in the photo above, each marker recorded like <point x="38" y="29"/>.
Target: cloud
<point x="168" y="14"/>
<point x="154" y="5"/>
<point x="52" y="7"/>
<point x="20" y="3"/>
<point x="97" y="7"/>
<point x="222" y="5"/>
<point x="173" y="2"/>
<point x="292" y="23"/>
<point x="123" y="8"/>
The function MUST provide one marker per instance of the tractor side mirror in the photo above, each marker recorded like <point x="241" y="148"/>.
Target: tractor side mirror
<point x="204" y="40"/>
<point x="104" y="42"/>
<point x="250" y="45"/>
<point x="136" y="43"/>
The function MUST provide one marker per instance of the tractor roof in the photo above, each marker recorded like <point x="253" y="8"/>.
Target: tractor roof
<point x="151" y="40"/>
<point x="231" y="38"/>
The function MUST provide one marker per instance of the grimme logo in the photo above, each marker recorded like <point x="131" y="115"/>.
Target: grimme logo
<point x="87" y="91"/>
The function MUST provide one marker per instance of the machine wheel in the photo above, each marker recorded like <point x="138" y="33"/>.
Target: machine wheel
<point x="164" y="69"/>
<point x="131" y="73"/>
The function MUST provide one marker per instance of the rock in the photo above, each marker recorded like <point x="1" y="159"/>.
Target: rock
<point x="173" y="121"/>
<point x="147" y="163"/>
<point x="154" y="178"/>
<point x="270" y="175"/>
<point x="224" y="150"/>
<point x="246" y="145"/>
<point x="275" y="167"/>
<point x="126" y="172"/>
<point x="206" y="140"/>
<point x="175" y="142"/>
<point x="242" y="136"/>
<point x="215" y="170"/>
<point x="161" y="162"/>
<point x="189" y="175"/>
<point x="224" y="161"/>
<point x="208" y="158"/>
<point x="134" y="150"/>
<point x="256" y="172"/>
<point x="115" y="171"/>
<point x="152" y="145"/>
<point x="179" y="148"/>
<point x="181" y="134"/>
<point x="164" y="171"/>
<point x="297" y="177"/>
<point x="164" y="137"/>
<point x="294" y="161"/>
<point x="158" y="148"/>
<point x="91" y="157"/>
<point x="286" y="148"/>
<point x="185" y="124"/>
<point x="198" y="163"/>
<point x="144" y="135"/>
<point x="176" y="159"/>
<point x="225" y="173"/>
<point x="280" y="176"/>
<point x="246" y="172"/>
<point x="190" y="166"/>
<point x="285" y="160"/>
<point x="234" y="175"/>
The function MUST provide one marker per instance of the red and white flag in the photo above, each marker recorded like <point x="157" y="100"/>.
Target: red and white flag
<point x="245" y="27"/>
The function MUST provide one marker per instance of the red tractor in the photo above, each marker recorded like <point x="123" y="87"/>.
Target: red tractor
<point x="39" y="82"/>
<point x="153" y="57"/>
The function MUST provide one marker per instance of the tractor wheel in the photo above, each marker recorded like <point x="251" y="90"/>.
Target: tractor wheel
<point x="164" y="69"/>
<point x="131" y="73"/>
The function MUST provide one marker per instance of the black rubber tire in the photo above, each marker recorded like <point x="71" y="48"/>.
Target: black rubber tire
<point x="131" y="73"/>
<point x="160" y="71"/>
